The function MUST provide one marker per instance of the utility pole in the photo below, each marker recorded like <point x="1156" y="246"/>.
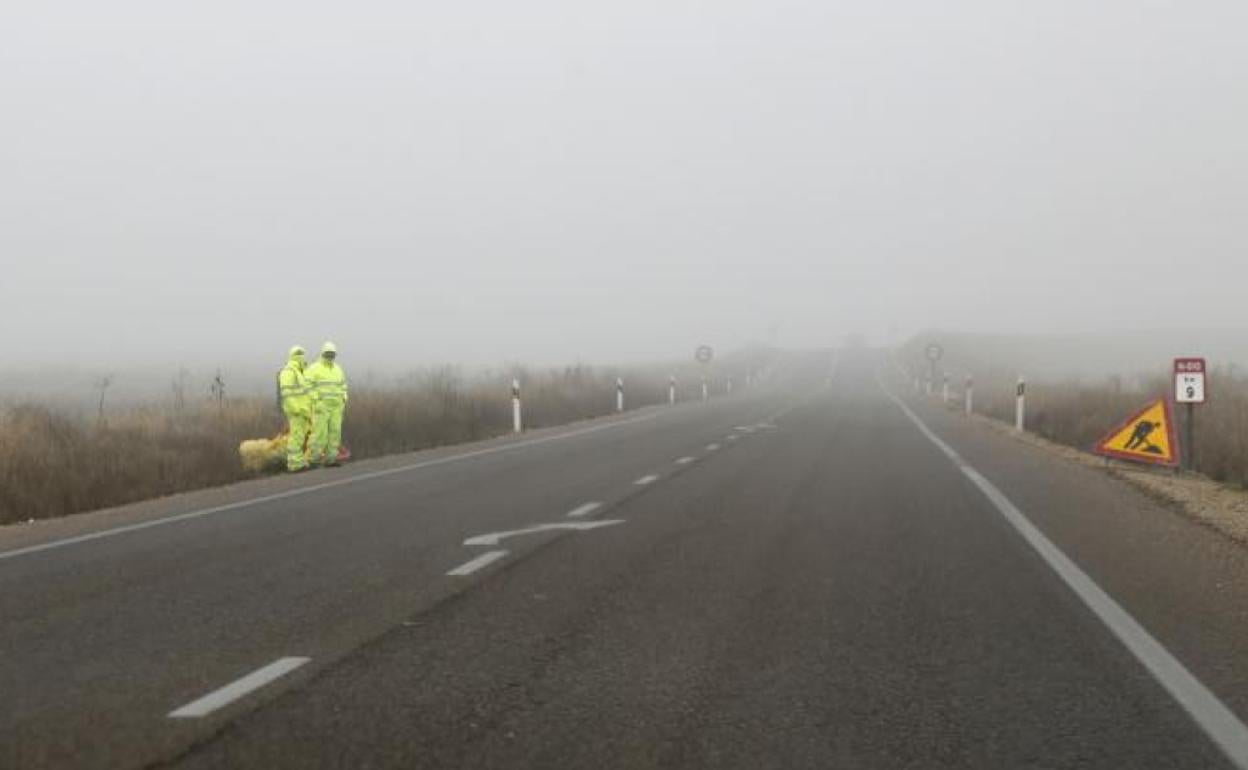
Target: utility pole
<point x="218" y="390"/>
<point x="103" y="384"/>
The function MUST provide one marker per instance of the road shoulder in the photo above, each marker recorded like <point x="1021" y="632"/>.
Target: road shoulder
<point x="17" y="537"/>
<point x="1180" y="578"/>
<point x="1214" y="504"/>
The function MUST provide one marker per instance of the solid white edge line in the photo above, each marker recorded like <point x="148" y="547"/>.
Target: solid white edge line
<point x="1210" y="714"/>
<point x="314" y="488"/>
<point x="482" y="561"/>
<point x="584" y="510"/>
<point x="237" y="689"/>
<point x="644" y="480"/>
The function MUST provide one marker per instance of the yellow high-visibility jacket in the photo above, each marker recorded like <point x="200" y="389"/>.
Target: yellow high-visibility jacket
<point x="293" y="389"/>
<point x="327" y="382"/>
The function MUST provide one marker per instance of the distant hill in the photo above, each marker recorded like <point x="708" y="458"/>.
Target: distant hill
<point x="1089" y="356"/>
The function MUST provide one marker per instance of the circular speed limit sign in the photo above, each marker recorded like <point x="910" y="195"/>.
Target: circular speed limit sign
<point x="704" y="354"/>
<point x="935" y="352"/>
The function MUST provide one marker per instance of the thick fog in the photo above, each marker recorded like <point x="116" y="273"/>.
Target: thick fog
<point x="547" y="181"/>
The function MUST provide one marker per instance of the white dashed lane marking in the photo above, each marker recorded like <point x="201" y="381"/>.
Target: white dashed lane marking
<point x="684" y="461"/>
<point x="481" y="562"/>
<point x="237" y="689"/>
<point x="584" y="510"/>
<point x="712" y="447"/>
<point x="644" y="480"/>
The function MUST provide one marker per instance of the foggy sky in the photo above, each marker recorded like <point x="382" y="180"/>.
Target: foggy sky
<point x="553" y="180"/>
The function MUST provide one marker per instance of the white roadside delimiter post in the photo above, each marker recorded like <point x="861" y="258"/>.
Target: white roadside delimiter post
<point x="1020" y="408"/>
<point x="970" y="395"/>
<point x="619" y="394"/>
<point x="671" y="389"/>
<point x="517" y="425"/>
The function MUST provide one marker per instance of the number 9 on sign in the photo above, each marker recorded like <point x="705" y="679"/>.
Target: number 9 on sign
<point x="1190" y="389"/>
<point x="1189" y="381"/>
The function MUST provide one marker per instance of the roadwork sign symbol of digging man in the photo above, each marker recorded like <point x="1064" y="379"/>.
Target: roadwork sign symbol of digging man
<point x="1147" y="437"/>
<point x="1139" y="438"/>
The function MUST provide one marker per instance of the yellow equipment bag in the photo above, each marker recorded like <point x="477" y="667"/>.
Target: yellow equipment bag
<point x="263" y="454"/>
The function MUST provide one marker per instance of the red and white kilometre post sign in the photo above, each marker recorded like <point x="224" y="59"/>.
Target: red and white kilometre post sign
<point x="1191" y="389"/>
<point x="1189" y="381"/>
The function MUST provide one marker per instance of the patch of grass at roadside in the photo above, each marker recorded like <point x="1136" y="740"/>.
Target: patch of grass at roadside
<point x="54" y="463"/>
<point x="1078" y="413"/>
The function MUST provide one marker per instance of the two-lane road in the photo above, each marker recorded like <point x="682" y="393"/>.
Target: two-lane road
<point x="806" y="576"/>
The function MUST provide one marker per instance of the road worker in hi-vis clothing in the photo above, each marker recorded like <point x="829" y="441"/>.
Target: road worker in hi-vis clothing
<point x="296" y="401"/>
<point x="328" y="384"/>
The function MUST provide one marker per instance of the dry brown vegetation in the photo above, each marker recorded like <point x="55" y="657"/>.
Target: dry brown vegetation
<point x="1079" y="413"/>
<point x="53" y="462"/>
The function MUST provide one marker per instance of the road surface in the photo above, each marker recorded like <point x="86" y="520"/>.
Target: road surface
<point x="813" y="574"/>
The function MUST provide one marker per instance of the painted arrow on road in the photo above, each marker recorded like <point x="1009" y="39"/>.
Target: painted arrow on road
<point x="494" y="538"/>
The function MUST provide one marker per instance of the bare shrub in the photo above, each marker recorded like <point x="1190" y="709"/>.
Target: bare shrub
<point x="54" y="463"/>
<point x="1079" y="414"/>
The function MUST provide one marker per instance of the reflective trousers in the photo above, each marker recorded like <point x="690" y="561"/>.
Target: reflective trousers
<point x="326" y="431"/>
<point x="299" y="425"/>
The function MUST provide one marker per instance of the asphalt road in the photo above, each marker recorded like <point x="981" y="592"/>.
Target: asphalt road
<point x="807" y="575"/>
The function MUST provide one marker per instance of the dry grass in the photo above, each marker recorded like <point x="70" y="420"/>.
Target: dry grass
<point x="1078" y="414"/>
<point x="53" y="463"/>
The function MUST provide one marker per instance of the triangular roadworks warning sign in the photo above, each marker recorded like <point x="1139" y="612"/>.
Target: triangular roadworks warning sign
<point x="1148" y="437"/>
